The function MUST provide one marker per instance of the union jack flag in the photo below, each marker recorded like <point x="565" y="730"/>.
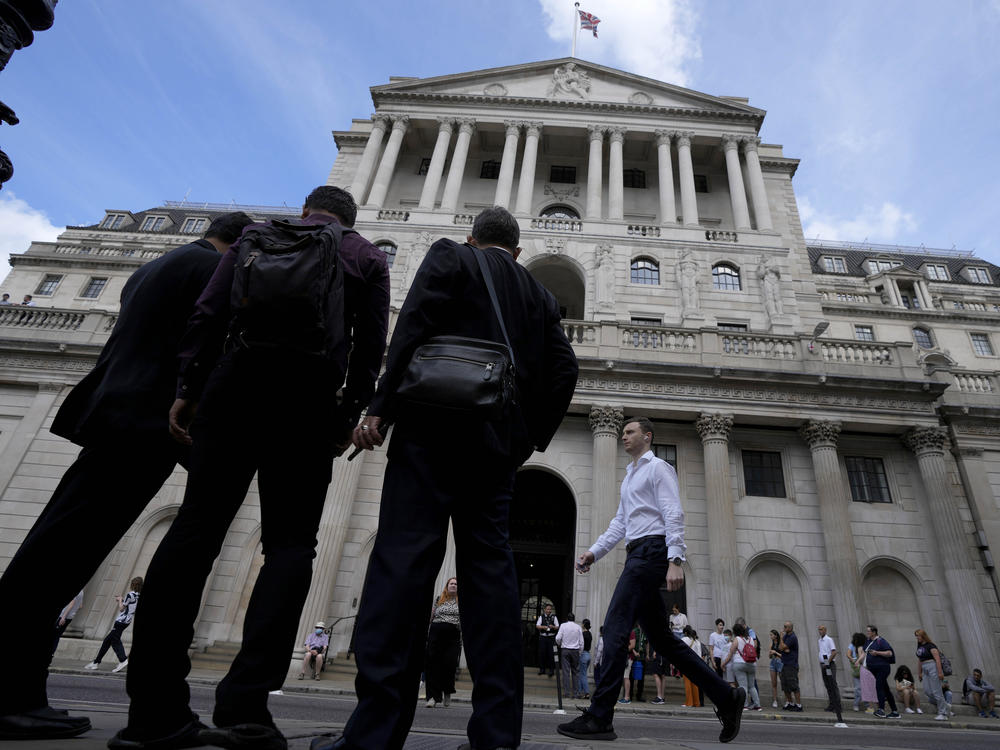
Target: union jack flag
<point x="588" y="21"/>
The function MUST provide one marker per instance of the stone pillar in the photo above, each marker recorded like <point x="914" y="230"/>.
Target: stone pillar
<point x="595" y="182"/>
<point x="727" y="591"/>
<point x="20" y="442"/>
<point x="737" y="191"/>
<point x="616" y="175"/>
<point x="526" y="184"/>
<point x="978" y="489"/>
<point x="958" y="583"/>
<point x="921" y="290"/>
<point x="606" y="425"/>
<point x="685" y="169"/>
<point x="436" y="168"/>
<point x="841" y="555"/>
<point x="506" y="179"/>
<point x="758" y="193"/>
<point x="453" y="186"/>
<point x="330" y="548"/>
<point x="668" y="206"/>
<point x="387" y="166"/>
<point x="893" y="291"/>
<point x="380" y="124"/>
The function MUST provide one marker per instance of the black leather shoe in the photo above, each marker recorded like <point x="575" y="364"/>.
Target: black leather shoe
<point x="732" y="715"/>
<point x="186" y="736"/>
<point x="245" y="737"/>
<point x="45" y="723"/>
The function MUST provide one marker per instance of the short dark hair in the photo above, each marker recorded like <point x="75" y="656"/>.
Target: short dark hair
<point x="333" y="200"/>
<point x="645" y="424"/>
<point x="496" y="226"/>
<point x="571" y="617"/>
<point x="586" y="623"/>
<point x="228" y="227"/>
<point x="136" y="584"/>
<point x="719" y="621"/>
<point x="873" y="629"/>
<point x="740" y="629"/>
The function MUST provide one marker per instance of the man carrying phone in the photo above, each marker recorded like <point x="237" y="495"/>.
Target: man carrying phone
<point x="651" y="518"/>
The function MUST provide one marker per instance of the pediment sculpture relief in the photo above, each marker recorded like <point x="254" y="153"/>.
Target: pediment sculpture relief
<point x="562" y="192"/>
<point x="569" y="80"/>
<point x="495" y="89"/>
<point x="640" y="97"/>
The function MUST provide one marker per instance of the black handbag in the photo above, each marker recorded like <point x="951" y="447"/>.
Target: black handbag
<point x="471" y="376"/>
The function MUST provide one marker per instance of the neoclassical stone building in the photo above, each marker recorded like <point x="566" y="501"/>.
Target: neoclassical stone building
<point x="831" y="409"/>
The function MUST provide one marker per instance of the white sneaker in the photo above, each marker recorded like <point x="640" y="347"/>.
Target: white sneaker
<point x="93" y="665"/>
<point x="121" y="666"/>
<point x="940" y="717"/>
<point x="774" y="704"/>
<point x="909" y="710"/>
<point x="431" y="703"/>
<point x="856" y="708"/>
<point x="920" y="711"/>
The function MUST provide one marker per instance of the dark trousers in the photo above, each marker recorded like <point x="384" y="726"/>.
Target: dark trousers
<point x="882" y="691"/>
<point x="637" y="598"/>
<point x="425" y="484"/>
<point x="829" y="672"/>
<point x="98" y="498"/>
<point x="444" y="647"/>
<point x="113" y="640"/>
<point x="570" y="660"/>
<point x="546" y="653"/>
<point x="266" y="416"/>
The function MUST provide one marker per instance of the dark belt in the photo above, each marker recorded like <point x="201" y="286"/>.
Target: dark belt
<point x="642" y="540"/>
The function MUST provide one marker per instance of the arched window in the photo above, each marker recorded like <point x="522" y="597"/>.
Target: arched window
<point x="923" y="338"/>
<point x="389" y="249"/>
<point x="560" y="212"/>
<point x="726" y="277"/>
<point x="645" y="271"/>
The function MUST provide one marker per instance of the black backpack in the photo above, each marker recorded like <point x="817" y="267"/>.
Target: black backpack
<point x="288" y="288"/>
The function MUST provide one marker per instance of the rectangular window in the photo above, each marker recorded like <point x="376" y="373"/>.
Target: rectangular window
<point x="48" y="286"/>
<point x="762" y="474"/>
<point x="490" y="170"/>
<point x="646" y="321"/>
<point x="700" y="183"/>
<point x="868" y="480"/>
<point x="425" y="164"/>
<point x="113" y="221"/>
<point x="981" y="344"/>
<point x="909" y="301"/>
<point x="937" y="272"/>
<point x="978" y="275"/>
<point x="153" y="223"/>
<point x="835" y="265"/>
<point x="194" y="226"/>
<point x="864" y="333"/>
<point x="565" y="175"/>
<point x="883" y="265"/>
<point x="845" y="297"/>
<point x="667" y="452"/>
<point x="738" y="327"/>
<point x="634" y="178"/>
<point x="94" y="287"/>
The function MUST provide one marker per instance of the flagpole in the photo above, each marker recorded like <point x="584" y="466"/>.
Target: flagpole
<point x="576" y="26"/>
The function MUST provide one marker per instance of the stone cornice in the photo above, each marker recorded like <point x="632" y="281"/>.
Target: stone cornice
<point x="853" y="310"/>
<point x="344" y="138"/>
<point x="771" y="164"/>
<point x="79" y="262"/>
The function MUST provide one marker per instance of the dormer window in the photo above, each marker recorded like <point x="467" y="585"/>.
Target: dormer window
<point x="113" y="221"/>
<point x="835" y="265"/>
<point x="978" y="275"/>
<point x="936" y="271"/>
<point x="153" y="223"/>
<point x="877" y="266"/>
<point x="194" y="226"/>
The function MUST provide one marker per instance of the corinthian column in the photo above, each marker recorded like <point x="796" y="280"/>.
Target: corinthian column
<point x="387" y="166"/>
<point x="668" y="207"/>
<point x="726" y="589"/>
<point x="505" y="180"/>
<point x="616" y="175"/>
<point x="834" y="502"/>
<point x="685" y="169"/>
<point x="436" y="168"/>
<point x="526" y="184"/>
<point x="380" y="124"/>
<point x="758" y="194"/>
<point x="594" y="178"/>
<point x="958" y="574"/>
<point x="737" y="191"/>
<point x="457" y="171"/>
<point x="606" y="424"/>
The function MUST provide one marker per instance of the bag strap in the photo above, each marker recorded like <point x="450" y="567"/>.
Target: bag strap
<point x="488" y="278"/>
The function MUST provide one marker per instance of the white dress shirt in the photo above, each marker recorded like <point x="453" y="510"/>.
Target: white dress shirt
<point x="826" y="648"/>
<point x="649" y="505"/>
<point x="570" y="635"/>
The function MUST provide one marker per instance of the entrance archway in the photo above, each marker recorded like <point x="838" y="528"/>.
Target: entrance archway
<point x="542" y="534"/>
<point x="564" y="281"/>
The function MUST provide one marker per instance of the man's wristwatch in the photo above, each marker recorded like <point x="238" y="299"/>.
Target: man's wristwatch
<point x="677" y="560"/>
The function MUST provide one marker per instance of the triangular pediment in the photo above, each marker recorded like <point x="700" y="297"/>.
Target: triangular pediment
<point x="566" y="80"/>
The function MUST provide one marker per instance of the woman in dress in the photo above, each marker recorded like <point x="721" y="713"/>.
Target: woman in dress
<point x="444" y="646"/>
<point x="855" y="655"/>
<point x="931" y="673"/>
<point x="774" y="665"/>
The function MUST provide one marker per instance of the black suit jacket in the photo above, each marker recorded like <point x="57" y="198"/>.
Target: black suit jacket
<point x="131" y="388"/>
<point x="449" y="297"/>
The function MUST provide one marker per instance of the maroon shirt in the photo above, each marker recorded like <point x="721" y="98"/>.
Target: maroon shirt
<point x="366" y="312"/>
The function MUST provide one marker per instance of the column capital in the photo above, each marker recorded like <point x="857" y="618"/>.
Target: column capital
<point x="446" y="124"/>
<point x="684" y="137"/>
<point x="512" y="127"/>
<point x="616" y="134"/>
<point x="380" y="121"/>
<point x="730" y="142"/>
<point x="924" y="440"/>
<point x="714" y="426"/>
<point x="820" y="433"/>
<point x="750" y="143"/>
<point x="663" y="137"/>
<point x="400" y="122"/>
<point x="606" y="420"/>
<point x="597" y="132"/>
<point x="466" y="125"/>
<point x="532" y="128"/>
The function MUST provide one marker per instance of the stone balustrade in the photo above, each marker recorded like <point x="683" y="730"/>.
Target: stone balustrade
<point x="557" y="225"/>
<point x="41" y="318"/>
<point x="664" y="339"/>
<point x="759" y="345"/>
<point x="393" y="215"/>
<point x="855" y="352"/>
<point x="975" y="382"/>
<point x="464" y="219"/>
<point x="720" y="235"/>
<point x="108" y="252"/>
<point x="643" y="230"/>
<point x="56" y="325"/>
<point x="579" y="332"/>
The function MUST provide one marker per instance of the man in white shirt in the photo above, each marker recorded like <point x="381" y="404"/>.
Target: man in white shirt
<point x="828" y="668"/>
<point x="719" y="645"/>
<point x="569" y="639"/>
<point x="651" y="519"/>
<point x="547" y="625"/>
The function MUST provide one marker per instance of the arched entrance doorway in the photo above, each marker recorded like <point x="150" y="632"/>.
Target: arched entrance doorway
<point x="542" y="535"/>
<point x="562" y="279"/>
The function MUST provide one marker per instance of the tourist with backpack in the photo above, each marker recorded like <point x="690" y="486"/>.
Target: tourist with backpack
<point x="743" y="655"/>
<point x="261" y="364"/>
<point x="879" y="654"/>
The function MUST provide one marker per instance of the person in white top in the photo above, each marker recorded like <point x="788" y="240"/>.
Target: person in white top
<point x="678" y="621"/>
<point x="744" y="658"/>
<point x="651" y="521"/>
<point x="828" y="667"/>
<point x="719" y="645"/>
<point x="569" y="639"/>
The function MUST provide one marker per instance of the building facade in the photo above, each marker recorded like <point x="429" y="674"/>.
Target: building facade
<point x="831" y="409"/>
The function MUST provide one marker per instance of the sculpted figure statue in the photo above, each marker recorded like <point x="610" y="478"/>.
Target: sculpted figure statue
<point x="605" y="277"/>
<point x="416" y="256"/>
<point x="687" y="280"/>
<point x="770" y="287"/>
<point x="566" y="79"/>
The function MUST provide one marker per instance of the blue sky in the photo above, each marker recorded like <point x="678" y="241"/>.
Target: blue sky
<point x="892" y="106"/>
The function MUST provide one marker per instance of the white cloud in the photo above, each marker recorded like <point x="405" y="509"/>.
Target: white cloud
<point x="655" y="38"/>
<point x="881" y="224"/>
<point x="20" y="224"/>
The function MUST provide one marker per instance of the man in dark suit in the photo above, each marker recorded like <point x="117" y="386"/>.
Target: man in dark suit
<point x="118" y="413"/>
<point x="462" y="468"/>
